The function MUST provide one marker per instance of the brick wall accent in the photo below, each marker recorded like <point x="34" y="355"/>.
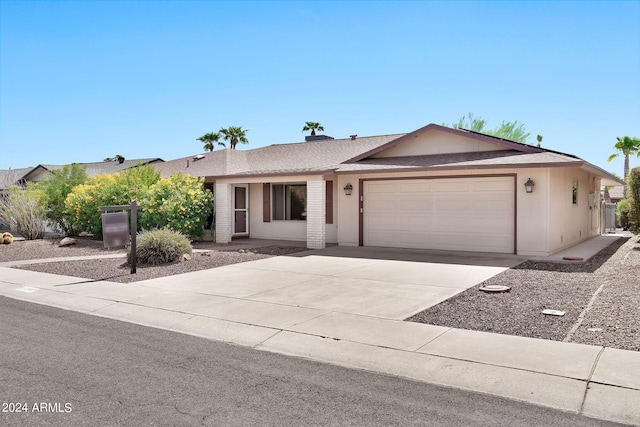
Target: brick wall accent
<point x="223" y="213"/>
<point x="316" y="210"/>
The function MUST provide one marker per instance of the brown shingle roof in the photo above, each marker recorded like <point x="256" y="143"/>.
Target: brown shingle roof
<point x="302" y="158"/>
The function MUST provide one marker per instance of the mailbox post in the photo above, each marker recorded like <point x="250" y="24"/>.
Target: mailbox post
<point x="113" y="228"/>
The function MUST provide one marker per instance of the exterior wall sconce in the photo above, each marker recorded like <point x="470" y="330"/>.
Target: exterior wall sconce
<point x="348" y="189"/>
<point x="529" y="185"/>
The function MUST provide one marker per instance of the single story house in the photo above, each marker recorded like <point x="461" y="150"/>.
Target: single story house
<point x="22" y="176"/>
<point x="616" y="193"/>
<point x="433" y="188"/>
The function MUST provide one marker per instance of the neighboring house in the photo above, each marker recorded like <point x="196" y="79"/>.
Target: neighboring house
<point x="22" y="176"/>
<point x="9" y="177"/>
<point x="434" y="188"/>
<point x="616" y="193"/>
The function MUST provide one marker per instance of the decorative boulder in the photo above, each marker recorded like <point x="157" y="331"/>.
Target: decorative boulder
<point x="186" y="257"/>
<point x="6" y="238"/>
<point x="67" y="241"/>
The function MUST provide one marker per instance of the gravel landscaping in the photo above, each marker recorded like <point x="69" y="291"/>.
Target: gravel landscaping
<point x="48" y="248"/>
<point x="612" y="320"/>
<point x="116" y="269"/>
<point x="600" y="298"/>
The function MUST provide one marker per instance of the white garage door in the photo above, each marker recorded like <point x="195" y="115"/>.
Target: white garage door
<point x="463" y="214"/>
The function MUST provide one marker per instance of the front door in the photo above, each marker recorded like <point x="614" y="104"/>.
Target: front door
<point x="241" y="210"/>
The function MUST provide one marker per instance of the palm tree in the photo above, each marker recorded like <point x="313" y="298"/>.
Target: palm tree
<point x="234" y="134"/>
<point x="627" y="146"/>
<point x="313" y="127"/>
<point x="210" y="140"/>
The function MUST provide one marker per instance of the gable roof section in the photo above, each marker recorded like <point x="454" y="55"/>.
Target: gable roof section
<point x="512" y="145"/>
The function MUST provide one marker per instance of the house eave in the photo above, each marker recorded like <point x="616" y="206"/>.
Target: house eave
<point x="456" y="167"/>
<point x="267" y="173"/>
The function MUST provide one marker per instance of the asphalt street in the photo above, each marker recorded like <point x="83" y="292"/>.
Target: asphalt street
<point x="61" y="368"/>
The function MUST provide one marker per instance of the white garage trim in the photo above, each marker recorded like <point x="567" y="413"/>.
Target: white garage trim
<point x="464" y="213"/>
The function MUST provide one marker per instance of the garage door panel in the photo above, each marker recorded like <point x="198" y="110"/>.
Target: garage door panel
<point x="492" y="185"/>
<point x="378" y="187"/>
<point x="499" y="207"/>
<point x="411" y="204"/>
<point x="474" y="214"/>
<point x="451" y="205"/>
<point x="414" y="187"/>
<point x="447" y="186"/>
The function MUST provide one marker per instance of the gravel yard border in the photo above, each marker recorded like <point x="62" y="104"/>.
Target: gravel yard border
<point x="600" y="298"/>
<point x="116" y="269"/>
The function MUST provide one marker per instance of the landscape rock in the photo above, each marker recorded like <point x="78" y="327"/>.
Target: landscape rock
<point x="67" y="241"/>
<point x="186" y="257"/>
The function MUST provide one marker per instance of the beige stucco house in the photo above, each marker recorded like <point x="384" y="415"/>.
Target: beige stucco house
<point x="434" y="188"/>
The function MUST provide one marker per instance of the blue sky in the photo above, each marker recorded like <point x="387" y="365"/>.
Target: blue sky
<point x="81" y="81"/>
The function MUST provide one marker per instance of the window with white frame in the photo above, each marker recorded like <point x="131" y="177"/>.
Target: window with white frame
<point x="289" y="202"/>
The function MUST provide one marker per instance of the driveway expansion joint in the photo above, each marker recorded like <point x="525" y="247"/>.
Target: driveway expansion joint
<point x="589" y="381"/>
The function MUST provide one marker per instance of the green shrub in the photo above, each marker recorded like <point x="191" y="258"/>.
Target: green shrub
<point x="160" y="247"/>
<point x="53" y="192"/>
<point x="82" y="204"/>
<point x="633" y="195"/>
<point x="622" y="213"/>
<point x="7" y="238"/>
<point x="179" y="202"/>
<point x="22" y="212"/>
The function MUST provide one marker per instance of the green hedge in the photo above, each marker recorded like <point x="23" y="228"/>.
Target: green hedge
<point x="633" y="195"/>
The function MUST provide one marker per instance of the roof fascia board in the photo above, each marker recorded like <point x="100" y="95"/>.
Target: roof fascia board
<point x="601" y="172"/>
<point x="461" y="168"/>
<point x="477" y="136"/>
<point x="279" y="174"/>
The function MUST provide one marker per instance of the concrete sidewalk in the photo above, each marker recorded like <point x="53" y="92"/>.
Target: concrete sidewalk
<point x="339" y="309"/>
<point x="584" y="250"/>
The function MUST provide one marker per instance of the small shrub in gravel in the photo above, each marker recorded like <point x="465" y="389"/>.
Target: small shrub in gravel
<point x="160" y="247"/>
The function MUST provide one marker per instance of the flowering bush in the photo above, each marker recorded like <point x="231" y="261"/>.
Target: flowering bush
<point x="82" y="204"/>
<point x="179" y="203"/>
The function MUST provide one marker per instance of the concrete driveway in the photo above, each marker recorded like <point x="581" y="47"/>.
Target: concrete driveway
<point x="343" y="305"/>
<point x="376" y="282"/>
